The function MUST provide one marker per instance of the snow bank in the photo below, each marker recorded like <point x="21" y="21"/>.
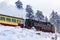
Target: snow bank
<point x="16" y="33"/>
<point x="11" y="33"/>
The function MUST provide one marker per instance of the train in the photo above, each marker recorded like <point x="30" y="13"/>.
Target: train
<point x="26" y="23"/>
<point x="10" y="20"/>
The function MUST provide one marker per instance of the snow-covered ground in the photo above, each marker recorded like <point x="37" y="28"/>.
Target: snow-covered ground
<point x="16" y="33"/>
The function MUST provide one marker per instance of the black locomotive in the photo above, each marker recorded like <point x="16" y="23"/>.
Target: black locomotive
<point x="39" y="25"/>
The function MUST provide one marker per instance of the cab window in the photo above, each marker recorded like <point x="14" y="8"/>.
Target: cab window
<point x="8" y="19"/>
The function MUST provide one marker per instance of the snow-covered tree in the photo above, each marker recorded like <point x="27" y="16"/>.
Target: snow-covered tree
<point x="29" y="9"/>
<point x="29" y="12"/>
<point x="46" y="19"/>
<point x="55" y="19"/>
<point x="39" y="16"/>
<point x="54" y="15"/>
<point x="19" y="4"/>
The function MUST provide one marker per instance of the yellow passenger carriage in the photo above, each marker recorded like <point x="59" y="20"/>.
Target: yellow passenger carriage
<point x="10" y="20"/>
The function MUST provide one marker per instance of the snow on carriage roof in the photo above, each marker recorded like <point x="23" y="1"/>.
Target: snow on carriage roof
<point x="10" y="16"/>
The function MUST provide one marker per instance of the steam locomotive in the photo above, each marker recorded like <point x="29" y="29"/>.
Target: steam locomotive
<point x="39" y="25"/>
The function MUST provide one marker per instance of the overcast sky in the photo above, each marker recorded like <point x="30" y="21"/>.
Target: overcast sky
<point x="46" y="6"/>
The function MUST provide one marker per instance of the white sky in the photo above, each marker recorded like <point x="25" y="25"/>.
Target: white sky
<point x="46" y="6"/>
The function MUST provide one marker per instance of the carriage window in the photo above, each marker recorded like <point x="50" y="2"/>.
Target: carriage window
<point x="2" y="18"/>
<point x="23" y="21"/>
<point x="14" y="20"/>
<point x="18" y="21"/>
<point x="8" y="19"/>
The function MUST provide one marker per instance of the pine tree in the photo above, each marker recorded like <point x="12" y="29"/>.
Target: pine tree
<point x="19" y="4"/>
<point x="29" y="9"/>
<point x="55" y="19"/>
<point x="54" y="15"/>
<point x="39" y="16"/>
<point x="29" y="12"/>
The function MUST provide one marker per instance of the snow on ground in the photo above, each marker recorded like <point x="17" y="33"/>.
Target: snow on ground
<point x="16" y="33"/>
<point x="11" y="33"/>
